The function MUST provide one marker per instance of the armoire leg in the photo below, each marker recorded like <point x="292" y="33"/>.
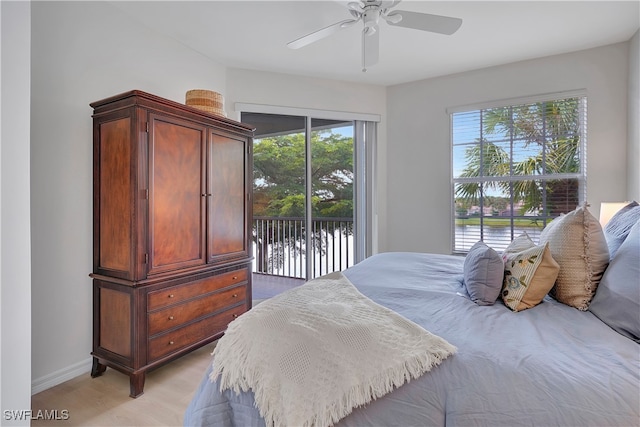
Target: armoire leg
<point x="136" y="384"/>
<point x="98" y="368"/>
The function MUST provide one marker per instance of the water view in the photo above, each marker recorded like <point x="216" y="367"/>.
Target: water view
<point x="496" y="237"/>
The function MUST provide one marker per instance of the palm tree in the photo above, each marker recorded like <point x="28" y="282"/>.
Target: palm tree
<point x="553" y="130"/>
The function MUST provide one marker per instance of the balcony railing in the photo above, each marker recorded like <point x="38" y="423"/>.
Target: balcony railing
<point x="280" y="246"/>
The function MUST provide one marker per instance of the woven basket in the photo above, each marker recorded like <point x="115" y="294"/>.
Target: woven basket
<point x="206" y="100"/>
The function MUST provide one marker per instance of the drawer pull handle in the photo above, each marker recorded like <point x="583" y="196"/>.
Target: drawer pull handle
<point x="170" y="295"/>
<point x="235" y="295"/>
<point x="235" y="277"/>
<point x="170" y="342"/>
<point x="235" y="316"/>
<point x="170" y="317"/>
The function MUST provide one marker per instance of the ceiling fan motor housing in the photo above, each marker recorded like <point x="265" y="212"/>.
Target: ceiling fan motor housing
<point x="370" y="18"/>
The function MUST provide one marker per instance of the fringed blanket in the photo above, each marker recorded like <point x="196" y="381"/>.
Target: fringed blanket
<point x="314" y="353"/>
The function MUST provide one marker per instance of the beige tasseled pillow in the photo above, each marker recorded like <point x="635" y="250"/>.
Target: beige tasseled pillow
<point x="578" y="245"/>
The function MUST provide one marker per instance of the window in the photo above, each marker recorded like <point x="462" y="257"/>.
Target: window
<point x="516" y="167"/>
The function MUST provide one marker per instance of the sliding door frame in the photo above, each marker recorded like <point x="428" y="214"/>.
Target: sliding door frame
<point x="365" y="145"/>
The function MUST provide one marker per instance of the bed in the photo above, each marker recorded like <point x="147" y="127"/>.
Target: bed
<point x="551" y="364"/>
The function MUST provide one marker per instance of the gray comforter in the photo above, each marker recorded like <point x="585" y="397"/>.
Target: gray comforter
<point x="551" y="365"/>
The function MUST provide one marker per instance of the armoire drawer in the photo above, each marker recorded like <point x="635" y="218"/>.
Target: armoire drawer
<point x="179" y="314"/>
<point x="178" y="339"/>
<point x="176" y="294"/>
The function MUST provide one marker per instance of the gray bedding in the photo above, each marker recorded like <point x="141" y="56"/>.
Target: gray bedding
<point x="551" y="365"/>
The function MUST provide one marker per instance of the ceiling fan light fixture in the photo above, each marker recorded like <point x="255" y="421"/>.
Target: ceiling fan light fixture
<point x="371" y="30"/>
<point x="393" y="17"/>
<point x="355" y="6"/>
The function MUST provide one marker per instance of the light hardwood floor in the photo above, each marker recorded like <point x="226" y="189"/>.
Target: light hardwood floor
<point x="105" y="401"/>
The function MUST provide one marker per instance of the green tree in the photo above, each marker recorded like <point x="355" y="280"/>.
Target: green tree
<point x="279" y="185"/>
<point x="279" y="175"/>
<point x="553" y="129"/>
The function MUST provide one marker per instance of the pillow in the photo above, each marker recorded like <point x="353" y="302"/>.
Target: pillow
<point x="577" y="243"/>
<point x="618" y="227"/>
<point x="483" y="272"/>
<point x="518" y="244"/>
<point x="529" y="274"/>
<point x="617" y="301"/>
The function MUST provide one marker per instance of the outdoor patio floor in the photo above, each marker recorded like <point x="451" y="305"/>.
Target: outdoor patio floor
<point x="266" y="286"/>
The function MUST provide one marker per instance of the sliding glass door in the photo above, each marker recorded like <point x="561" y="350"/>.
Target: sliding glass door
<point x="330" y="202"/>
<point x="304" y="199"/>
<point x="279" y="194"/>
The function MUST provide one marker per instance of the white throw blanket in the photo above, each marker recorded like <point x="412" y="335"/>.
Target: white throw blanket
<point x="314" y="353"/>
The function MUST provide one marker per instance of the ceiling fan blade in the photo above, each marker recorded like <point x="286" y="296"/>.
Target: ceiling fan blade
<point x="426" y="22"/>
<point x="320" y="34"/>
<point x="370" y="47"/>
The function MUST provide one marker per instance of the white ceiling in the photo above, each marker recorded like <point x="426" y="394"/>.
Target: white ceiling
<point x="254" y="34"/>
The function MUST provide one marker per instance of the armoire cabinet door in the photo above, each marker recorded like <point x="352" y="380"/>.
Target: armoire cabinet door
<point x="228" y="201"/>
<point x="176" y="194"/>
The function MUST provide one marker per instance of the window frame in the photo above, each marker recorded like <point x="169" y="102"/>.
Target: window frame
<point x="580" y="176"/>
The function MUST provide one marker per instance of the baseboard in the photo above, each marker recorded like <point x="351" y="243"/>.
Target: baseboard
<point x="61" y="375"/>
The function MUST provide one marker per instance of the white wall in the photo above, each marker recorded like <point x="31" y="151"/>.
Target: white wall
<point x="15" y="260"/>
<point x="633" y="155"/>
<point x="83" y="52"/>
<point x="418" y="139"/>
<point x="285" y="90"/>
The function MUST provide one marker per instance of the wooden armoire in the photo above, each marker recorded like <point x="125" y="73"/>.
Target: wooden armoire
<point x="171" y="231"/>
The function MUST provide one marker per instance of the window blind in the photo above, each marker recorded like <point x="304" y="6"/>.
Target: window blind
<point x="515" y="168"/>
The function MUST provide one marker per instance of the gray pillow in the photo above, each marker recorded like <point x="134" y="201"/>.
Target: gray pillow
<point x="483" y="274"/>
<point x="617" y="300"/>
<point x="618" y="227"/>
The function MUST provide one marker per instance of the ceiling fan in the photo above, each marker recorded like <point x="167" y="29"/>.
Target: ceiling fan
<point x="370" y="12"/>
